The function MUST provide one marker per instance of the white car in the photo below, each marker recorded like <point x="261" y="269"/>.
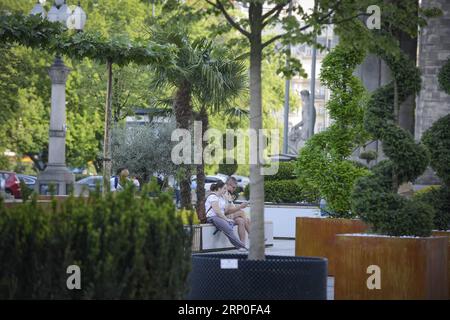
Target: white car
<point x="209" y="180"/>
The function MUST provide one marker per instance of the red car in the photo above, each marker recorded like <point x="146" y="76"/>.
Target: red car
<point x="12" y="183"/>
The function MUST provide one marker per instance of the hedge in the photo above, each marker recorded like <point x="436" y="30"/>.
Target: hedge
<point x="285" y="191"/>
<point x="285" y="172"/>
<point x="126" y="248"/>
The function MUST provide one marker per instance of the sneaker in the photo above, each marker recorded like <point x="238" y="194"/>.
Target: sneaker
<point x="242" y="250"/>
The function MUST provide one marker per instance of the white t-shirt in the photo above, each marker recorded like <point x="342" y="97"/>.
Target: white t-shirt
<point x="208" y="205"/>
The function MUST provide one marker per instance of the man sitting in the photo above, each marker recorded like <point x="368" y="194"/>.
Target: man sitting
<point x="235" y="212"/>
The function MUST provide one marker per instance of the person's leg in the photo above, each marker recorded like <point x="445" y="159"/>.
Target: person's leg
<point x="247" y="224"/>
<point x="241" y="228"/>
<point x="225" y="227"/>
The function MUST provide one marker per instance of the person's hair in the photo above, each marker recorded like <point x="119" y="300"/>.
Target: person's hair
<point x="216" y="186"/>
<point x="231" y="179"/>
<point x="119" y="171"/>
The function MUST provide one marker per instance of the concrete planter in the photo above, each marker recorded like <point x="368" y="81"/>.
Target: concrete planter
<point x="399" y="267"/>
<point x="316" y="237"/>
<point x="283" y="217"/>
<point x="234" y="277"/>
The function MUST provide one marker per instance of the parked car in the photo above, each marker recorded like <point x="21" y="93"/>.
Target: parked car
<point x="209" y="180"/>
<point x="12" y="183"/>
<point x="30" y="181"/>
<point x="90" y="182"/>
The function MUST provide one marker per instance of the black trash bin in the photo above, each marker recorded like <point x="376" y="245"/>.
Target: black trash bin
<point x="234" y="277"/>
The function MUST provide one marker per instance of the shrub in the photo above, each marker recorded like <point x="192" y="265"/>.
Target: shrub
<point x="437" y="139"/>
<point x="375" y="196"/>
<point x="286" y="171"/>
<point x="444" y="77"/>
<point x="323" y="164"/>
<point x="126" y="248"/>
<point x="285" y="191"/>
<point x="228" y="169"/>
<point x="25" y="191"/>
<point x="439" y="199"/>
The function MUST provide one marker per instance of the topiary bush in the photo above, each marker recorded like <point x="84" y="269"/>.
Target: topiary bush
<point x="375" y="197"/>
<point x="444" y="77"/>
<point x="323" y="164"/>
<point x="437" y="139"/>
<point x="439" y="199"/>
<point x="285" y="191"/>
<point x="127" y="247"/>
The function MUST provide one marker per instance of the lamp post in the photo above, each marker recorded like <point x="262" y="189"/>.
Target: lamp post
<point x="56" y="172"/>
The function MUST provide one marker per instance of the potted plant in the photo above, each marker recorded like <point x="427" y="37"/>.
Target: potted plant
<point x="400" y="259"/>
<point x="437" y="139"/>
<point x="324" y="164"/>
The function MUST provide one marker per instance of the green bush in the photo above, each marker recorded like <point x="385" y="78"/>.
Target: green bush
<point x="286" y="171"/>
<point x="285" y="191"/>
<point x="437" y="139"/>
<point x="444" y="77"/>
<point x="375" y="197"/>
<point x="228" y="169"/>
<point x="323" y="164"/>
<point x="439" y="199"/>
<point x="126" y="247"/>
<point x="25" y="191"/>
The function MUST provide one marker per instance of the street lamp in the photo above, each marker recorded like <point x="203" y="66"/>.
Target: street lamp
<point x="56" y="172"/>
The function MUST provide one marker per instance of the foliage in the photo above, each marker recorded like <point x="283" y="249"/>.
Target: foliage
<point x="285" y="191"/>
<point x="444" y="77"/>
<point x="368" y="155"/>
<point x="439" y="199"/>
<point x="323" y="163"/>
<point x="228" y="169"/>
<point x="25" y="191"/>
<point x="126" y="248"/>
<point x="285" y="171"/>
<point x="283" y="187"/>
<point x="375" y="197"/>
<point x="437" y="139"/>
<point x="143" y="149"/>
<point x="36" y="32"/>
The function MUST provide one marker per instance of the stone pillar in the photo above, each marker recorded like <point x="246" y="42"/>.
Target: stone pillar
<point x="434" y="50"/>
<point x="56" y="172"/>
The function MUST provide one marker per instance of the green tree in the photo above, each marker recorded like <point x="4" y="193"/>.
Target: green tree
<point x="203" y="76"/>
<point x="301" y="27"/>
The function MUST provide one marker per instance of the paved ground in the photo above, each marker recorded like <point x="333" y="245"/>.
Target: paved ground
<point x="287" y="248"/>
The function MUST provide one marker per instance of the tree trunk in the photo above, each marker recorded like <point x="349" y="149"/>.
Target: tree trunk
<point x="256" y="235"/>
<point x="107" y="164"/>
<point x="183" y="116"/>
<point x="203" y="117"/>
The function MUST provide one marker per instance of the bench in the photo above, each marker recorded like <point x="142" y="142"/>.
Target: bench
<point x="206" y="237"/>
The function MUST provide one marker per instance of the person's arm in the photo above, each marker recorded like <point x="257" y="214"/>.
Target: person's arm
<point x="216" y="208"/>
<point x="232" y="208"/>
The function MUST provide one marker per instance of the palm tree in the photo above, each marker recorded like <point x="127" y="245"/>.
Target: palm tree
<point x="202" y="76"/>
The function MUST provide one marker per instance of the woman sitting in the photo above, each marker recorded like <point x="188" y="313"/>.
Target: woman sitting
<point x="215" y="208"/>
